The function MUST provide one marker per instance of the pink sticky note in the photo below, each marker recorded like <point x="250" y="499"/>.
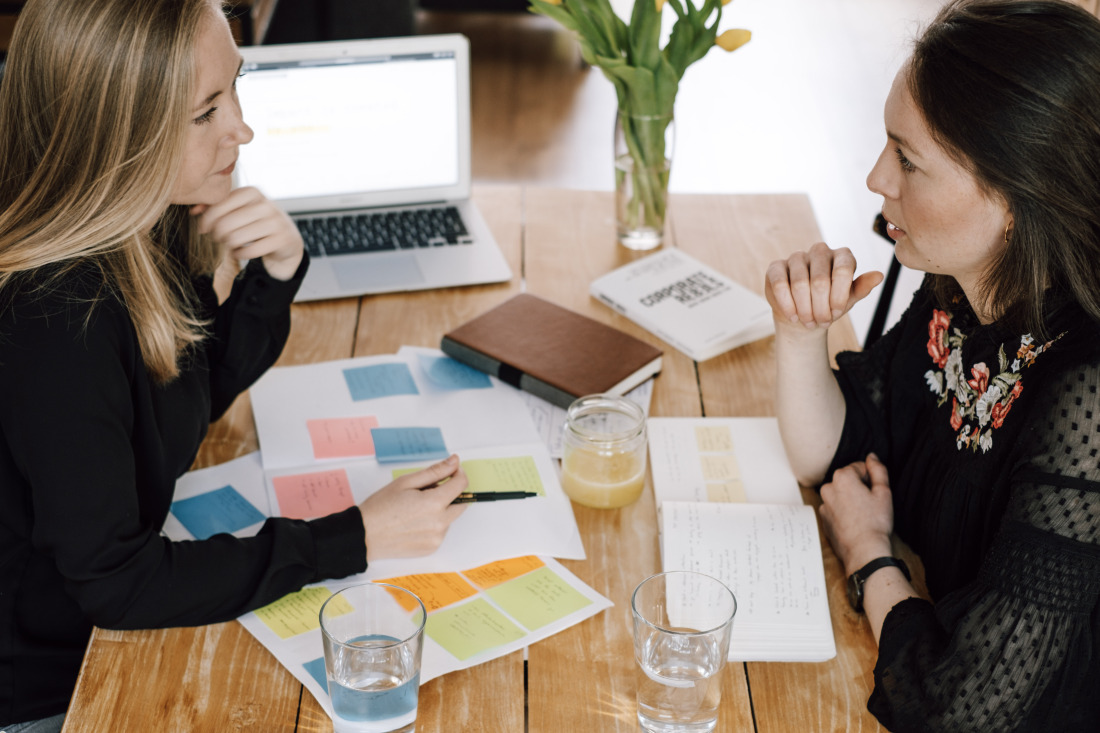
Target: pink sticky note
<point x="342" y="437"/>
<point x="310" y="495"/>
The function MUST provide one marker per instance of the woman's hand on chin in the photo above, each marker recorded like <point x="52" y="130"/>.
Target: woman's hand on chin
<point x="249" y="225"/>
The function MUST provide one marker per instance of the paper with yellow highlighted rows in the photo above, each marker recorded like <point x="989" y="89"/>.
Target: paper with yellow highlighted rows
<point x="730" y="507"/>
<point x="474" y="616"/>
<point x="720" y="459"/>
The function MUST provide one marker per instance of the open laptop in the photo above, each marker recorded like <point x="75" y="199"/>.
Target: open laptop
<point x="366" y="144"/>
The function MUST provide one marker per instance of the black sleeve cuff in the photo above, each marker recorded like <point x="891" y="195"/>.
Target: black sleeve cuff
<point x="339" y="542"/>
<point x="263" y="295"/>
<point x="906" y="621"/>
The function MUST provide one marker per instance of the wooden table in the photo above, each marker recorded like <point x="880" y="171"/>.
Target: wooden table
<point x="218" y="678"/>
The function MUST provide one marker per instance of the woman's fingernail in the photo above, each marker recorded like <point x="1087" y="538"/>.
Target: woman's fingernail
<point x="837" y="313"/>
<point x="451" y="460"/>
<point x="794" y="318"/>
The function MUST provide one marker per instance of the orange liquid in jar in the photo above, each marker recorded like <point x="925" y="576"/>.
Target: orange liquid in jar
<point x="602" y="480"/>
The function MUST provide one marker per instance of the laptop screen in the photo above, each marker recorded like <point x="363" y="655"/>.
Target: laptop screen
<point x="349" y="125"/>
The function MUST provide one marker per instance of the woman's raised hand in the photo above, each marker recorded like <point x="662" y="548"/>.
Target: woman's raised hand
<point x="816" y="288"/>
<point x="410" y="516"/>
<point x="249" y="225"/>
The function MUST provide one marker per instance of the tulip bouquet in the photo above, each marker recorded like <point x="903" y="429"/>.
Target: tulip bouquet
<point x="646" y="78"/>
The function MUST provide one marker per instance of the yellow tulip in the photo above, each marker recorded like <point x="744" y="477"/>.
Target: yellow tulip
<point x="733" y="39"/>
<point x="558" y="2"/>
<point x="726" y="2"/>
<point x="660" y="4"/>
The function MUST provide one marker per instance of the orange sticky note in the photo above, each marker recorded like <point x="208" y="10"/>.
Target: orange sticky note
<point x="342" y="437"/>
<point x="436" y="590"/>
<point x="310" y="495"/>
<point x="495" y="573"/>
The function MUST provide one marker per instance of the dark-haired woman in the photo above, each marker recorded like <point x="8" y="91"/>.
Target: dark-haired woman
<point x="972" y="429"/>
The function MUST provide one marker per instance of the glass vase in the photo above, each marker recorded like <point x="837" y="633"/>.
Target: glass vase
<point x="643" y="159"/>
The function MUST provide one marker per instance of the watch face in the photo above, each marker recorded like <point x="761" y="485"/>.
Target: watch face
<point x="855" y="593"/>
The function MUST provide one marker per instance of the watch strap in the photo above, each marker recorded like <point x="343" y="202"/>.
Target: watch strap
<point x="882" y="562"/>
<point x="859" y="577"/>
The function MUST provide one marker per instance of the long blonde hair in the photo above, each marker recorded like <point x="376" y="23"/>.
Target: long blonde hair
<point x="94" y="107"/>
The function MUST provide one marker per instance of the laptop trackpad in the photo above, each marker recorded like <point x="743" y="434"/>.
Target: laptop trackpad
<point x="379" y="271"/>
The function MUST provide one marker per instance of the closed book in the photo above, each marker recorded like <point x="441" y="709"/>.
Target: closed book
<point x="686" y="303"/>
<point x="551" y="351"/>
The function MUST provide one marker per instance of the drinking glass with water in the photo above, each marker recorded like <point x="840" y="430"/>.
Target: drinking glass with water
<point x="682" y="624"/>
<point x="373" y="637"/>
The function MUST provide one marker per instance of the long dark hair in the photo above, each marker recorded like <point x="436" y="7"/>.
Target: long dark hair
<point x="1011" y="88"/>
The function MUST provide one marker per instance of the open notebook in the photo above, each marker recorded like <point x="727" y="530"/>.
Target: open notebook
<point x="366" y="143"/>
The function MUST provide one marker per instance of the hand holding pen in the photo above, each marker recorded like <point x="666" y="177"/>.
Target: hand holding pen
<point x="409" y="516"/>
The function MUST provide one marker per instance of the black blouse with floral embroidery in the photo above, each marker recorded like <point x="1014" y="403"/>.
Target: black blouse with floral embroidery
<point x="991" y="439"/>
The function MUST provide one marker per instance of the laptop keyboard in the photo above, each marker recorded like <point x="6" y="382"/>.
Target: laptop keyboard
<point x="383" y="231"/>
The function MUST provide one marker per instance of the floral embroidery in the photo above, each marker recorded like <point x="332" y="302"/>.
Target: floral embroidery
<point x="980" y="401"/>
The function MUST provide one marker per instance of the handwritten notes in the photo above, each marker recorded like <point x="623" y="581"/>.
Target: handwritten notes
<point x="727" y="491"/>
<point x="311" y="495"/>
<point x="471" y="628"/>
<point x="297" y="613"/>
<point x="504" y="474"/>
<point x="486" y="475"/>
<point x="770" y="557"/>
<point x="445" y="373"/>
<point x="408" y="444"/>
<point x="344" y="437"/>
<point x="435" y="590"/>
<point x="379" y="380"/>
<point x="725" y="460"/>
<point x="495" y="573"/>
<point x="221" y="510"/>
<point x="538" y="598"/>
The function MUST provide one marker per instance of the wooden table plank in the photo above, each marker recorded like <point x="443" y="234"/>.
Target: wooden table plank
<point x="621" y="544"/>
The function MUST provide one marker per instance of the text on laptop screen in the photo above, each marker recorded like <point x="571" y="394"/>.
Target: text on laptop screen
<point x="352" y="125"/>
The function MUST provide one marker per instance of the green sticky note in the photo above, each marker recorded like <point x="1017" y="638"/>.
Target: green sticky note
<point x="538" y="598"/>
<point x="488" y="475"/>
<point x="471" y="629"/>
<point x="296" y="613"/>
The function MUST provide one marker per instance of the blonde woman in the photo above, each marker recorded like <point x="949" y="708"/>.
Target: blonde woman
<point x="119" y="129"/>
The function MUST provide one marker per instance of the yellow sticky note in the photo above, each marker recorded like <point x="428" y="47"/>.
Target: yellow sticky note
<point x="713" y="439"/>
<point x="538" y="598"/>
<point x="727" y="491"/>
<point x="471" y="629"/>
<point x="435" y="590"/>
<point x="495" y="573"/>
<point x="516" y="473"/>
<point x="297" y="613"/>
<point x="720" y="467"/>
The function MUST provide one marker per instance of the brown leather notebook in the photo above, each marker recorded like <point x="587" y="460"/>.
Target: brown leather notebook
<point x="551" y="351"/>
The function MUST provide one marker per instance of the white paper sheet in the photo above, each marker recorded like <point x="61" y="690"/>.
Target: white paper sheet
<point x="693" y="459"/>
<point x="769" y="555"/>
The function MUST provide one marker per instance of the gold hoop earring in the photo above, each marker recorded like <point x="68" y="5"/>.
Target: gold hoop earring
<point x="1008" y="230"/>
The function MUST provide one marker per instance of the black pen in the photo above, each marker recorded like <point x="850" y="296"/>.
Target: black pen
<point x="492" y="496"/>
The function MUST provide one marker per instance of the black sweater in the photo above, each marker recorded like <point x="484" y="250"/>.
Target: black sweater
<point x="90" y="449"/>
<point x="991" y="441"/>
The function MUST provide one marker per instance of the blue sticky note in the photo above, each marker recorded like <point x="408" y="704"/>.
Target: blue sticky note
<point x="408" y="444"/>
<point x="316" y="669"/>
<point x="446" y="373"/>
<point x="379" y="380"/>
<point x="221" y="510"/>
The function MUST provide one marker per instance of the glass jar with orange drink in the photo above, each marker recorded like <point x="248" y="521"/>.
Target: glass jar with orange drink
<point x="604" y="451"/>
